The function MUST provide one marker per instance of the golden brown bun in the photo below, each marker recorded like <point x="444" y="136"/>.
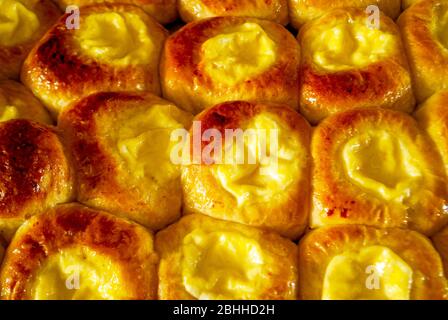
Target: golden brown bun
<point x="319" y="247"/>
<point x="433" y="117"/>
<point x="302" y="11"/>
<point x="17" y="102"/>
<point x="164" y="11"/>
<point x="79" y="237"/>
<point x="384" y="82"/>
<point x="121" y="153"/>
<point x="244" y="248"/>
<point x="34" y="172"/>
<point x="274" y="10"/>
<point x="59" y="70"/>
<point x="43" y="14"/>
<point x="377" y="167"/>
<point x="186" y="81"/>
<point x="276" y="199"/>
<point x="427" y="50"/>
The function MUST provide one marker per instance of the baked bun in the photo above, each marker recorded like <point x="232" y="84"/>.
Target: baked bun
<point x="355" y="262"/>
<point x="424" y="30"/>
<point x="116" y="48"/>
<point x="164" y="11"/>
<point x="274" y="10"/>
<point x="239" y="181"/>
<point x="17" y="102"/>
<point x="34" y="172"/>
<point x="22" y="23"/>
<point x="433" y="117"/>
<point x="205" y="258"/>
<point x="122" y="154"/>
<point x="72" y="252"/>
<point x="302" y="11"/>
<point x="348" y="65"/>
<point x="377" y="167"/>
<point x="230" y="58"/>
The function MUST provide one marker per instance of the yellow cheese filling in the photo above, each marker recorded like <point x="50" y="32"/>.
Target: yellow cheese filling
<point x="145" y="146"/>
<point x="8" y="113"/>
<point x="223" y="265"/>
<point x="349" y="45"/>
<point x="265" y="163"/>
<point x="381" y="163"/>
<point x="18" y="24"/>
<point x="78" y="274"/>
<point x="441" y="23"/>
<point x="238" y="54"/>
<point x="117" y="38"/>
<point x="372" y="273"/>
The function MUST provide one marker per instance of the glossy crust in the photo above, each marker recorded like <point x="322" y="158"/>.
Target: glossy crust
<point x="433" y="117"/>
<point x="287" y="211"/>
<point x="169" y="247"/>
<point x="318" y="248"/>
<point x="59" y="73"/>
<point x="428" y="57"/>
<point x="303" y="11"/>
<point x="274" y="10"/>
<point x="35" y="173"/>
<point x="14" y="94"/>
<point x="164" y="11"/>
<point x="91" y="128"/>
<point x="11" y="58"/>
<point x="385" y="83"/>
<point x="338" y="200"/>
<point x="185" y="82"/>
<point x="127" y="244"/>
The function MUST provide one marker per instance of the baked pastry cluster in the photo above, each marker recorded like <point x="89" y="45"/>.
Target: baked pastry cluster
<point x="262" y="149"/>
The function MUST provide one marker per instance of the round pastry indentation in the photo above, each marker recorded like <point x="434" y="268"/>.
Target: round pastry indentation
<point x="116" y="37"/>
<point x="379" y="162"/>
<point x="372" y="273"/>
<point x="223" y="265"/>
<point x="349" y="45"/>
<point x="18" y="24"/>
<point x="263" y="174"/>
<point x="239" y="53"/>
<point x="78" y="274"/>
<point x="145" y="146"/>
